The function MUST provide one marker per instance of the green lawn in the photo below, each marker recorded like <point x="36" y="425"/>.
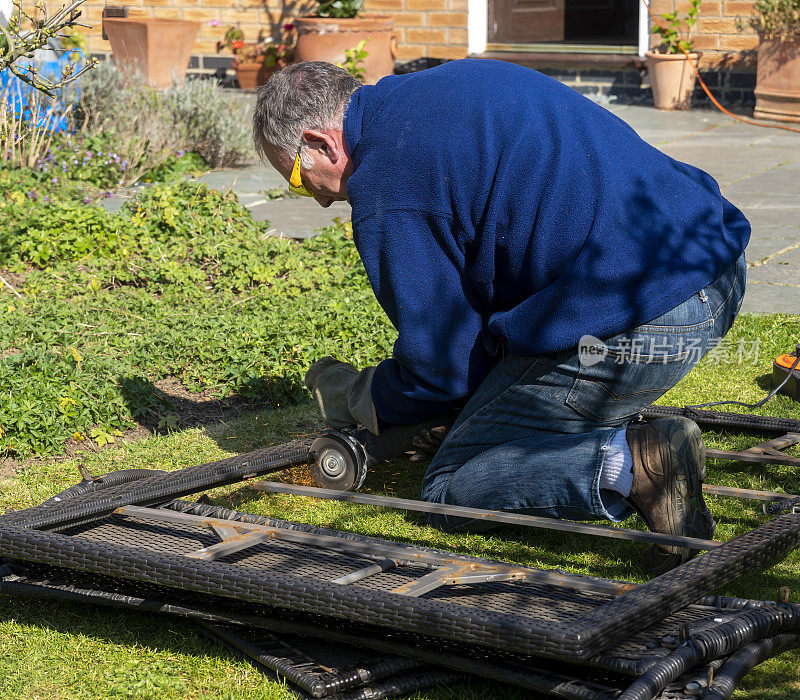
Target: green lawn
<point x="58" y="650"/>
<point x="183" y="287"/>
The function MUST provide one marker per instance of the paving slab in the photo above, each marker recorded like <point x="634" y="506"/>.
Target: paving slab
<point x="771" y="298"/>
<point x="251" y="177"/>
<point x="763" y="249"/>
<point x="298" y="218"/>
<point x="782" y="269"/>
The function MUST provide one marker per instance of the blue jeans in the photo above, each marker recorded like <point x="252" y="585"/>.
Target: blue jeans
<point x="533" y="436"/>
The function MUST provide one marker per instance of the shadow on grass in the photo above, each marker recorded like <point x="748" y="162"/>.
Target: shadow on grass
<point x="166" y="406"/>
<point x="171" y="637"/>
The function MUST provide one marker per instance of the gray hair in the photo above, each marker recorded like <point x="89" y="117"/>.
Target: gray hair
<point x="309" y="95"/>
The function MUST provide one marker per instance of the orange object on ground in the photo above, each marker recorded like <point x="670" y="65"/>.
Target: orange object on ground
<point x="782" y="367"/>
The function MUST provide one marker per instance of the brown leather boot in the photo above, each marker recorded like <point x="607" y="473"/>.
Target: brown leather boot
<point x="669" y="466"/>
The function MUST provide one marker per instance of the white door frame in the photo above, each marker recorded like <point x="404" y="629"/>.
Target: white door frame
<point x="478" y="26"/>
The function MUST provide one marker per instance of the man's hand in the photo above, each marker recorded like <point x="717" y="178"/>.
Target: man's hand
<point x="342" y="393"/>
<point x="429" y="440"/>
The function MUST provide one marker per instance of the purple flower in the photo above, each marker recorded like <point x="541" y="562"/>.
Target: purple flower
<point x="54" y="180"/>
<point x="32" y="195"/>
<point x="45" y="198"/>
<point x="179" y="153"/>
<point x="86" y="200"/>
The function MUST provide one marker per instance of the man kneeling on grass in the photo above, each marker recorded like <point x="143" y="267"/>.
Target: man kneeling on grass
<point x="549" y="275"/>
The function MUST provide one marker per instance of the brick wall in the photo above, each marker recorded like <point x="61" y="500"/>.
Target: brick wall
<point x="435" y="28"/>
<point x="716" y="35"/>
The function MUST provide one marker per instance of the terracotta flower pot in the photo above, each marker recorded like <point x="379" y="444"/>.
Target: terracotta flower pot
<point x="159" y="49"/>
<point x="252" y="74"/>
<point x="672" y="79"/>
<point x="324" y="39"/>
<point x="778" y="80"/>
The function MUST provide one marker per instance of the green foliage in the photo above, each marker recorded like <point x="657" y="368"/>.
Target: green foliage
<point x="183" y="284"/>
<point x="339" y="9"/>
<point x="354" y="58"/>
<point x="676" y="34"/>
<point x="149" y="130"/>
<point x="215" y="128"/>
<point x="177" y="166"/>
<point x="64" y="231"/>
<point x="776" y="19"/>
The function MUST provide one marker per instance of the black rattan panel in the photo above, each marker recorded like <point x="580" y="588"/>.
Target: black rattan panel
<point x="515" y="616"/>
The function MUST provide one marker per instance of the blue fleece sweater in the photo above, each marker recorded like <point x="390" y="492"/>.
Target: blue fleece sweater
<point x="493" y="204"/>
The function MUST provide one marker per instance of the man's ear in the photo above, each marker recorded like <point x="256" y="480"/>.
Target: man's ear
<point x="324" y="142"/>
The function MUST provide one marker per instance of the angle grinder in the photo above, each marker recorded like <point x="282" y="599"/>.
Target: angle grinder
<point x="343" y="456"/>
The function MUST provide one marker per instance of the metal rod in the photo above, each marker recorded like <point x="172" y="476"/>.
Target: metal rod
<point x="754" y="457"/>
<point x="746" y="493"/>
<point x="428" y="582"/>
<point x="367" y="571"/>
<point x="225" y="532"/>
<point x="400" y="553"/>
<point x="619" y="533"/>
<point x="230" y="546"/>
<point x="778" y="443"/>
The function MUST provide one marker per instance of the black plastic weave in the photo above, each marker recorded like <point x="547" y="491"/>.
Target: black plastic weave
<point x="726" y="419"/>
<point x="320" y="668"/>
<point x="161" y="487"/>
<point x="550" y="677"/>
<point x="523" y="617"/>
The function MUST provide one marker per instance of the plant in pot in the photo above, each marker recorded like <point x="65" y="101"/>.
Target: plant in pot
<point x="255" y="62"/>
<point x="671" y="74"/>
<point x="777" y="23"/>
<point x="336" y="28"/>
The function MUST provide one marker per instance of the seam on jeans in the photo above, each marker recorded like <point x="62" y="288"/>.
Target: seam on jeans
<point x="724" y="302"/>
<point x="617" y="397"/>
<point x="661" y="359"/>
<point x="648" y="328"/>
<point x="597" y="501"/>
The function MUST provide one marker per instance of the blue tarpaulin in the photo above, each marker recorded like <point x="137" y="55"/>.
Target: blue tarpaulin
<point x="50" y="63"/>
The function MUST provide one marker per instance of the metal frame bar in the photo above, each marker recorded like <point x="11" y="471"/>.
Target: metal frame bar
<point x="770" y="452"/>
<point x="747" y="494"/>
<point x="449" y="571"/>
<point x="497" y="516"/>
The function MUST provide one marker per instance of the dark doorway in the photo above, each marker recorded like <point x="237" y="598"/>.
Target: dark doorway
<point x="601" y="21"/>
<point x="569" y="21"/>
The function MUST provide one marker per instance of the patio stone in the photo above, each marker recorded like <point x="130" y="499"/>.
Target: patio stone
<point x="298" y="218"/>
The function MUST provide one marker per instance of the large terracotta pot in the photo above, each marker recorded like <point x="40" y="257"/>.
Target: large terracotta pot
<point x="323" y="39"/>
<point x="159" y="49"/>
<point x="672" y="79"/>
<point x="778" y="80"/>
<point x="252" y="74"/>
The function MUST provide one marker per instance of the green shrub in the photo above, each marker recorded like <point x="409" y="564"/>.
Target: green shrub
<point x="776" y="19"/>
<point x="148" y="128"/>
<point x="179" y="316"/>
<point x="216" y="128"/>
<point x="65" y="231"/>
<point x="181" y="283"/>
<point x="45" y="401"/>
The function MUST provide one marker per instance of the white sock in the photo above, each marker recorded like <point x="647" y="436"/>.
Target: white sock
<point x="616" y="474"/>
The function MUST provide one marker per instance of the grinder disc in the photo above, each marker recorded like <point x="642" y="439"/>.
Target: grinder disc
<point x="340" y="462"/>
